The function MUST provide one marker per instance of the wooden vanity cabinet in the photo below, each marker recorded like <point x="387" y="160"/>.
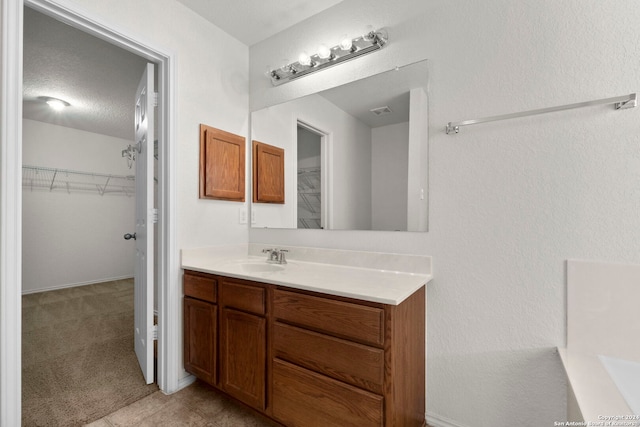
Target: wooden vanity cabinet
<point x="309" y="360"/>
<point x="200" y="326"/>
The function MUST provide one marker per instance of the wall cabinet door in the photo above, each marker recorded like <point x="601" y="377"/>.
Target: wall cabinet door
<point x="222" y="156"/>
<point x="268" y="173"/>
<point x="243" y="350"/>
<point x="200" y="329"/>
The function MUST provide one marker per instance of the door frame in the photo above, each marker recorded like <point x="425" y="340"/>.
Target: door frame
<point x="11" y="16"/>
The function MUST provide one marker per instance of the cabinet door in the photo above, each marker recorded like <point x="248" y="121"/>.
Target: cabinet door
<point x="200" y="326"/>
<point x="268" y="173"/>
<point x="222" y="168"/>
<point x="243" y="357"/>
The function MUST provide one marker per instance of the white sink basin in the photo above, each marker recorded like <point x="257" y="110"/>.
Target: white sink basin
<point x="253" y="267"/>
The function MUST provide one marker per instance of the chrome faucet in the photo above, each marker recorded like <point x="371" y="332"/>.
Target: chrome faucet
<point x="276" y="256"/>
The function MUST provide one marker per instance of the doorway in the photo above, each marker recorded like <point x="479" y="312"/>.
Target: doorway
<point x="11" y="192"/>
<point x="79" y="199"/>
<point x="309" y="179"/>
<point x="313" y="177"/>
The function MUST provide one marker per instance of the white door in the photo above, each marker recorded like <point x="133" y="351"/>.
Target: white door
<point x="144" y="280"/>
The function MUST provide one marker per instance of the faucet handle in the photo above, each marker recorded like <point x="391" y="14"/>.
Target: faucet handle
<point x="281" y="256"/>
<point x="264" y="251"/>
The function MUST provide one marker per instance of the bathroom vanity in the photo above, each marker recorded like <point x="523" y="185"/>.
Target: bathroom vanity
<point x="304" y="356"/>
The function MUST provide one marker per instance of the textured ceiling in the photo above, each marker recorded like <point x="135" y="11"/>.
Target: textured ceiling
<point x="98" y="79"/>
<point x="252" y="21"/>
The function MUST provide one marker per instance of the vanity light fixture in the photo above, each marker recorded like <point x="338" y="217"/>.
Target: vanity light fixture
<point x="326" y="57"/>
<point x="55" y="103"/>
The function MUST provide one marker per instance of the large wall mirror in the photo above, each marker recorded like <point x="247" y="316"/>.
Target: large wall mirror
<point x="355" y="156"/>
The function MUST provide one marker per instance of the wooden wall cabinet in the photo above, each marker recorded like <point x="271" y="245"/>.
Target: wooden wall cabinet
<point x="222" y="165"/>
<point x="268" y="173"/>
<point x="312" y="360"/>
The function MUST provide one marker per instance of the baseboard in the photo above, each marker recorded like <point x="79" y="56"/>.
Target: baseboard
<point x="73" y="285"/>
<point x="440" y="421"/>
<point x="185" y="382"/>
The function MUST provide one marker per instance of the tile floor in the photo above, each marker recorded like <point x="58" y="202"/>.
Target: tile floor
<point x="197" y="405"/>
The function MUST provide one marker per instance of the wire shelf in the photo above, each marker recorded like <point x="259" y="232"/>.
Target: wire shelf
<point x="53" y="179"/>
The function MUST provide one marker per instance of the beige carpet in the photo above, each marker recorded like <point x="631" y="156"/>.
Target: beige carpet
<point x="78" y="361"/>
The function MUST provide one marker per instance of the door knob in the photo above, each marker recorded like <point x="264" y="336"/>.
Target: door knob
<point x="130" y="236"/>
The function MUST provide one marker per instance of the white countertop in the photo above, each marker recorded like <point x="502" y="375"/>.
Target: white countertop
<point x="368" y="284"/>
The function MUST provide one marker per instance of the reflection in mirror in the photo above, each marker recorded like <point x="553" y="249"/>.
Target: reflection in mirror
<point x="309" y="144"/>
<point x="356" y="155"/>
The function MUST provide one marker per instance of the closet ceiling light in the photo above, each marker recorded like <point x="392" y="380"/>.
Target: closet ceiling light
<point x="346" y="50"/>
<point x="381" y="111"/>
<point x="54" y="103"/>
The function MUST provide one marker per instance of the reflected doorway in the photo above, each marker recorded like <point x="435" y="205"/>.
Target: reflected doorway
<point x="310" y="177"/>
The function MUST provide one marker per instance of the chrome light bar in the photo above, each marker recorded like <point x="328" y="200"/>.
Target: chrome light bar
<point x="370" y="42"/>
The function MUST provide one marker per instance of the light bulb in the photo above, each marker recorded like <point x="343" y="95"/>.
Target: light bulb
<point x="56" y="104"/>
<point x="368" y="33"/>
<point x="346" y="43"/>
<point x="304" y="59"/>
<point x="323" y="51"/>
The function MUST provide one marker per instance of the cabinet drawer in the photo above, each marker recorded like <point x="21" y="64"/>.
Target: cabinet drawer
<point x="302" y="398"/>
<point x="243" y="297"/>
<point x="200" y="287"/>
<point x="356" y="364"/>
<point x="339" y="318"/>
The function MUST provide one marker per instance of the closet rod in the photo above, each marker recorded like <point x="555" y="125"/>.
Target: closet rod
<point x="621" y="102"/>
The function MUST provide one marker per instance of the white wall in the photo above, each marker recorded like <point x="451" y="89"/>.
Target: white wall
<point x="418" y="167"/>
<point x="389" y="157"/>
<point x="509" y="201"/>
<point x="350" y="153"/>
<point x="211" y="87"/>
<point x="74" y="238"/>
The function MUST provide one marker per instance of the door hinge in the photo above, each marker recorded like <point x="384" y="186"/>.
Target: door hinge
<point x="154" y="332"/>
<point x="154" y="215"/>
<point x="155" y="99"/>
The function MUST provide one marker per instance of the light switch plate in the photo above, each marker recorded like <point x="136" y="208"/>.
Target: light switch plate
<point x="242" y="215"/>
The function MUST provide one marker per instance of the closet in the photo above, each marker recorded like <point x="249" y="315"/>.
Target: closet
<point x="78" y="202"/>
